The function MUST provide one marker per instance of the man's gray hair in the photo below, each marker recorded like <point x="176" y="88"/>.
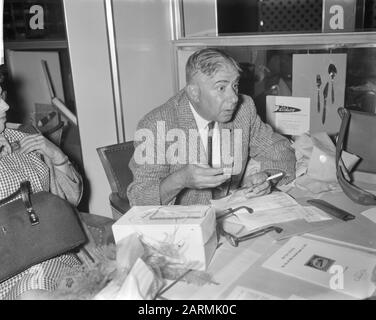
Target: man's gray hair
<point x="208" y="61"/>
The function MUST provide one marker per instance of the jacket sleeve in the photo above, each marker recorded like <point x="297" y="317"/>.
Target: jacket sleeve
<point x="147" y="171"/>
<point x="272" y="150"/>
<point x="66" y="187"/>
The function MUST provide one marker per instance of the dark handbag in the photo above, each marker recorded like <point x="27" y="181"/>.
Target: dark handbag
<point x="356" y="136"/>
<point x="36" y="228"/>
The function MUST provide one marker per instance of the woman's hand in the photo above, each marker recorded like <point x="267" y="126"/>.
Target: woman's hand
<point x="38" y="143"/>
<point x="4" y="146"/>
<point x="256" y="185"/>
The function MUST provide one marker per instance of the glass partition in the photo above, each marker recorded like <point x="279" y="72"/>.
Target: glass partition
<point x="348" y="72"/>
<point x="251" y="17"/>
<point x="287" y="49"/>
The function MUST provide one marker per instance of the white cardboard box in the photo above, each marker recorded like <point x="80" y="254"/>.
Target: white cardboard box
<point x="191" y="229"/>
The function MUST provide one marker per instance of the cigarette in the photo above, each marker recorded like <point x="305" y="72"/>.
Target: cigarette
<point x="277" y="175"/>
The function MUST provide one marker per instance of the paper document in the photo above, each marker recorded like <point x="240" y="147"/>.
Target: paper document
<point x="155" y="213"/>
<point x="264" y="218"/>
<point x="180" y="213"/>
<point x="139" y="283"/>
<point x="227" y="266"/>
<point x="335" y="267"/>
<point x="288" y="115"/>
<point x="242" y="293"/>
<point x="273" y="200"/>
<point x="277" y="207"/>
<point x="313" y="214"/>
<point x="370" y="214"/>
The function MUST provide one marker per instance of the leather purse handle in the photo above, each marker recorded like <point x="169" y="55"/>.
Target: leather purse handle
<point x="353" y="192"/>
<point x="25" y="190"/>
<point x="25" y="194"/>
<point x="10" y="197"/>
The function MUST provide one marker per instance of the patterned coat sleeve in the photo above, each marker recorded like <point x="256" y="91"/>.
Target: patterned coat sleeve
<point x="147" y="174"/>
<point x="273" y="151"/>
<point x="68" y="188"/>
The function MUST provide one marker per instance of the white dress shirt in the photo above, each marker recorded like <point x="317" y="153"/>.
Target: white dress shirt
<point x="202" y="125"/>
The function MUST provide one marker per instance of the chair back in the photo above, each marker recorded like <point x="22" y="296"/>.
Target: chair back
<point x="115" y="159"/>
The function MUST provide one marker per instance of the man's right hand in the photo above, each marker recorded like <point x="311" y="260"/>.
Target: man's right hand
<point x="197" y="176"/>
<point x="192" y="176"/>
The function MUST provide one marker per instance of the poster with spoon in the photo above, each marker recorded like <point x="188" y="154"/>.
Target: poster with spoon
<point x="322" y="78"/>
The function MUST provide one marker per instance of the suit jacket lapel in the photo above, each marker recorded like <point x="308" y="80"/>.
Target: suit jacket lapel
<point x="187" y="122"/>
<point x="226" y="140"/>
<point x="227" y="149"/>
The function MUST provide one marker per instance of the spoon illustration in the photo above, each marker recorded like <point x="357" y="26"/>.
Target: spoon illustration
<point x="332" y="70"/>
<point x="325" y="94"/>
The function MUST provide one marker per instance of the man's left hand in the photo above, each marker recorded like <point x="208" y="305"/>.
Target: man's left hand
<point x="256" y="185"/>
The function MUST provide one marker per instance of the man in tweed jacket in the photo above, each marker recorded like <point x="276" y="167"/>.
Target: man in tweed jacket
<point x="171" y="167"/>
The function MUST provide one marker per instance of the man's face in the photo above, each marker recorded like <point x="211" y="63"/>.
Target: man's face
<point x="217" y="96"/>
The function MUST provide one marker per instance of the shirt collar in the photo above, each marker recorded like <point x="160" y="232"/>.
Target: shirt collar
<point x="200" y="121"/>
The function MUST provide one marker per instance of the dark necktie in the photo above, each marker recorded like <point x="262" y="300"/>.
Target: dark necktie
<point x="210" y="143"/>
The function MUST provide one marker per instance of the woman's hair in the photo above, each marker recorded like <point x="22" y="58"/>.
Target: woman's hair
<point x="208" y="61"/>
